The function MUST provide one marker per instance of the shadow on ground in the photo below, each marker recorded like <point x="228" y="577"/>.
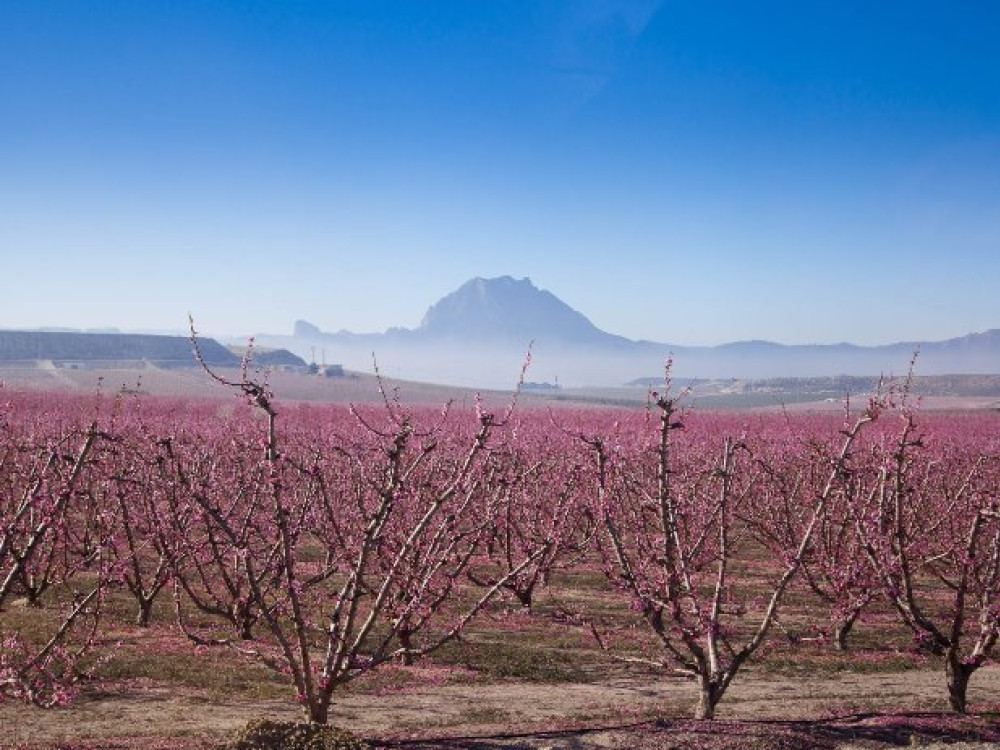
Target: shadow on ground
<point x="864" y="730"/>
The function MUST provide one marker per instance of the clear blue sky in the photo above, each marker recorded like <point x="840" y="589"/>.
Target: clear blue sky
<point x="689" y="172"/>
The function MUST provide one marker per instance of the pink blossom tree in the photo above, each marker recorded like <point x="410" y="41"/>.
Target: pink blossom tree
<point x="42" y="483"/>
<point x="671" y="538"/>
<point x="929" y="522"/>
<point x="542" y="518"/>
<point x="363" y="542"/>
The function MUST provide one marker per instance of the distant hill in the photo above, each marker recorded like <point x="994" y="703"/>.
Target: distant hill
<point x="478" y="334"/>
<point x="107" y="348"/>
<point x="270" y="357"/>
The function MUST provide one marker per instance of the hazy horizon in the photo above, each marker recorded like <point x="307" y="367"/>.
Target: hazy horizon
<point x="692" y="174"/>
<point x="235" y="336"/>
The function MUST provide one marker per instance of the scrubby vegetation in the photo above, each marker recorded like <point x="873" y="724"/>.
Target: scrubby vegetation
<point x="263" y="734"/>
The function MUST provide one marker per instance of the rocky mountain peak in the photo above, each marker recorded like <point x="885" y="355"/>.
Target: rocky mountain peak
<point x="305" y="329"/>
<point x="506" y="308"/>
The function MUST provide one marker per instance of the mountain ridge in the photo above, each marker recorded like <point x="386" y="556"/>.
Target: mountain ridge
<point x="489" y="320"/>
<point x="456" y="303"/>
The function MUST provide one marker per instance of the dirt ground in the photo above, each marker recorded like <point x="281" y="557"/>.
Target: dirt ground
<point x="858" y="710"/>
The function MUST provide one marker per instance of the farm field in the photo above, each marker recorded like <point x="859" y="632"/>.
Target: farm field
<point x="936" y="393"/>
<point x="495" y="576"/>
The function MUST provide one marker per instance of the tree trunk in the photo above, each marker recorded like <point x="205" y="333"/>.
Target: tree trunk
<point x="405" y="640"/>
<point x="958" y="675"/>
<point x="318" y="711"/>
<point x="244" y="618"/>
<point x="524" y="596"/>
<point x="145" y="612"/>
<point x="710" y="693"/>
<point x="246" y="630"/>
<point x="842" y="629"/>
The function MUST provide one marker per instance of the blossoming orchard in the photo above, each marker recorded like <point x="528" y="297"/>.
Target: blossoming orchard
<point x="328" y="543"/>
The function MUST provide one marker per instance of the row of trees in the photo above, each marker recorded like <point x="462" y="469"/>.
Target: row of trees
<point x="328" y="542"/>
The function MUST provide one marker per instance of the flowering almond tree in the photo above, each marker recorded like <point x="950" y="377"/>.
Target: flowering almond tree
<point x="370" y="544"/>
<point x="215" y="515"/>
<point x="796" y="468"/>
<point x="671" y="538"/>
<point x="42" y="485"/>
<point x="928" y="519"/>
<point x="137" y="487"/>
<point x="542" y="517"/>
<point x="362" y="542"/>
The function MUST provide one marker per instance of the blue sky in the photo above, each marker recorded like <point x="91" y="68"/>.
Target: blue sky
<point x="688" y="172"/>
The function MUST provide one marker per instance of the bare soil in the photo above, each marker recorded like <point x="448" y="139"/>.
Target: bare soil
<point x="851" y="710"/>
